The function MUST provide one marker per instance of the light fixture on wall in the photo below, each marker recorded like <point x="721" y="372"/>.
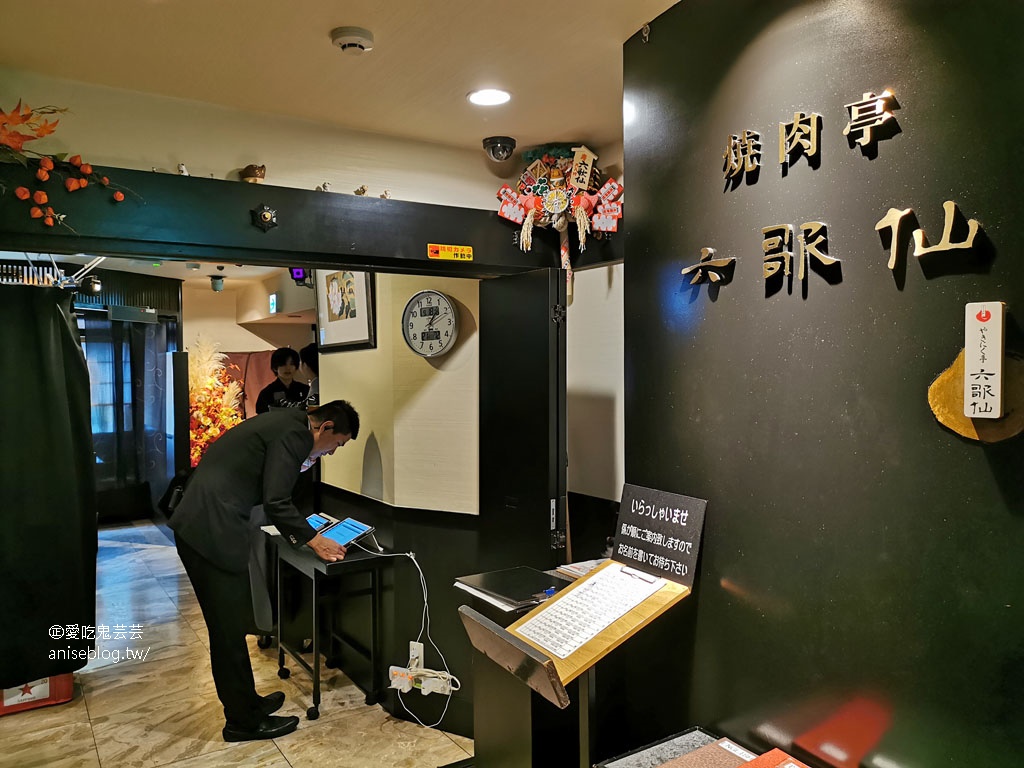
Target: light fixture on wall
<point x="628" y="112"/>
<point x="217" y="283"/>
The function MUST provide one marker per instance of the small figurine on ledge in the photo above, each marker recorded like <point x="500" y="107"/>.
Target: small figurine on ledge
<point x="254" y="174"/>
<point x="325" y="187"/>
<point x="386" y="194"/>
<point x="182" y="170"/>
<point x="361" y="190"/>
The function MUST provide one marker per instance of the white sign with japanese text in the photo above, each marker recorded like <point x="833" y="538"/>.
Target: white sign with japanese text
<point x="983" y="359"/>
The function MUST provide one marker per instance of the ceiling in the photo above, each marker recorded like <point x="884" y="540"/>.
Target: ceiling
<point x="194" y="274"/>
<point x="235" y="275"/>
<point x="564" y="70"/>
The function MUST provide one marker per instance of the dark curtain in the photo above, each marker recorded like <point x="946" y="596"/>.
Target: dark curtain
<point x="47" y="488"/>
<point x="128" y="369"/>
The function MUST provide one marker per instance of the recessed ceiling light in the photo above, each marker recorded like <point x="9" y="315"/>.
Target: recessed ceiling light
<point x="488" y="97"/>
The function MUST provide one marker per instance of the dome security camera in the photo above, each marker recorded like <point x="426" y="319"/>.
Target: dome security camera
<point x="499" y="148"/>
<point x="217" y="283"/>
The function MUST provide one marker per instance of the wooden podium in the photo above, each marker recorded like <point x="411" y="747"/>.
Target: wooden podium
<point x="526" y="731"/>
<point x="517" y="740"/>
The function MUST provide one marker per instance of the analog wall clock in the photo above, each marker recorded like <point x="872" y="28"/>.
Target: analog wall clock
<point x="430" y="323"/>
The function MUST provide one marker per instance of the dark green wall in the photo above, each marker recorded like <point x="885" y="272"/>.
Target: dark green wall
<point x="853" y="546"/>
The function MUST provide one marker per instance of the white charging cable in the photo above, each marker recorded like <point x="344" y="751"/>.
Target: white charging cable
<point x="453" y="683"/>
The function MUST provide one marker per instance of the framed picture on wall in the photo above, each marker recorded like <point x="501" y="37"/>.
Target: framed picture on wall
<point x="345" y="311"/>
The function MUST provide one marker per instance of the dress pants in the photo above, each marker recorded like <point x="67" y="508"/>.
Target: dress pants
<point x="225" y="599"/>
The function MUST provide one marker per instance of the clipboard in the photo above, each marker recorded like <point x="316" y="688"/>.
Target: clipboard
<point x="520" y="587"/>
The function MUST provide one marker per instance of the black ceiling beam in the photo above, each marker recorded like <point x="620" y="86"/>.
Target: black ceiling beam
<point x="193" y="218"/>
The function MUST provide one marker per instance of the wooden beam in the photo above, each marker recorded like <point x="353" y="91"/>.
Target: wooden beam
<point x="193" y="218"/>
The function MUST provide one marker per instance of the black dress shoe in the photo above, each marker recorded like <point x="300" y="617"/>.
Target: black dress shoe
<point x="270" y="727"/>
<point x="272" y="702"/>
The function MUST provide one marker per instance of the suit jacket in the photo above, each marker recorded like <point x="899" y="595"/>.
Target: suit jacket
<point x="256" y="462"/>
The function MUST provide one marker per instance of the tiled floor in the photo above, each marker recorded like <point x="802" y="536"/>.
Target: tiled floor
<point x="163" y="711"/>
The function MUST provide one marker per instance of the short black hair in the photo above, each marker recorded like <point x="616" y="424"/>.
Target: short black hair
<point x="309" y="354"/>
<point x="283" y="356"/>
<point x="341" y="412"/>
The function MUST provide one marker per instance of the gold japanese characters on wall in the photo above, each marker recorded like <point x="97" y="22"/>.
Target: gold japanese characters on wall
<point x="967" y="398"/>
<point x="870" y="120"/>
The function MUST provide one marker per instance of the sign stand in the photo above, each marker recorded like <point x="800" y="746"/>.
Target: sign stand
<point x="658" y="540"/>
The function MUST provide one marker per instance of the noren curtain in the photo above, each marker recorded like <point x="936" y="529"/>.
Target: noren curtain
<point x="47" y="488"/>
<point x="128" y="370"/>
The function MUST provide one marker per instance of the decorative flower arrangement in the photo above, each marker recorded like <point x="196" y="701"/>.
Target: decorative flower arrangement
<point x="213" y="397"/>
<point x="24" y="124"/>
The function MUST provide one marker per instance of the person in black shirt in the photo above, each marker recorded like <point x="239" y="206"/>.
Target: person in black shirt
<point x="284" y="391"/>
<point x="310" y="368"/>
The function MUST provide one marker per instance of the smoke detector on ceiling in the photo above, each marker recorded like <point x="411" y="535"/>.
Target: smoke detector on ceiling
<point x="355" y="40"/>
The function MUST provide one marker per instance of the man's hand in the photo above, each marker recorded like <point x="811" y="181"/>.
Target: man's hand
<point x="325" y="549"/>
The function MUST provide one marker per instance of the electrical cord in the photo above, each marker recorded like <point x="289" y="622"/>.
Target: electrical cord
<point x="447" y="676"/>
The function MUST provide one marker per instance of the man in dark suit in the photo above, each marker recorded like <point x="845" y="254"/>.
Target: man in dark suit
<point x="256" y="462"/>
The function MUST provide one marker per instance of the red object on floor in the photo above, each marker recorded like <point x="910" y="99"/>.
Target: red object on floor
<point x="848" y="735"/>
<point x="38" y="693"/>
<point x="776" y="758"/>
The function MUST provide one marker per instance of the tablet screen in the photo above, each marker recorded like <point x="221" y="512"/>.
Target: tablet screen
<point x="347" y="531"/>
<point x="319" y="522"/>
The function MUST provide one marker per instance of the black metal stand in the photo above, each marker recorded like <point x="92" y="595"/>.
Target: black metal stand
<point x="316" y="570"/>
<point x="514" y="726"/>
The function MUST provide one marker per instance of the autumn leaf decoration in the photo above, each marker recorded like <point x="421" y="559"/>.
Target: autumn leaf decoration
<point x="214" y="397"/>
<point x="35" y="123"/>
<point x="24" y="124"/>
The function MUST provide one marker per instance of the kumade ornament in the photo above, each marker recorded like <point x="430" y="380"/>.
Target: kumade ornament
<point x="560" y="187"/>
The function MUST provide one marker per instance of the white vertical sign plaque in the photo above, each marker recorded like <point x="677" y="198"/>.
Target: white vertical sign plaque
<point x="983" y="359"/>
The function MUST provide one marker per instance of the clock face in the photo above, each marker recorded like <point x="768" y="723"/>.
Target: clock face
<point x="429" y="324"/>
